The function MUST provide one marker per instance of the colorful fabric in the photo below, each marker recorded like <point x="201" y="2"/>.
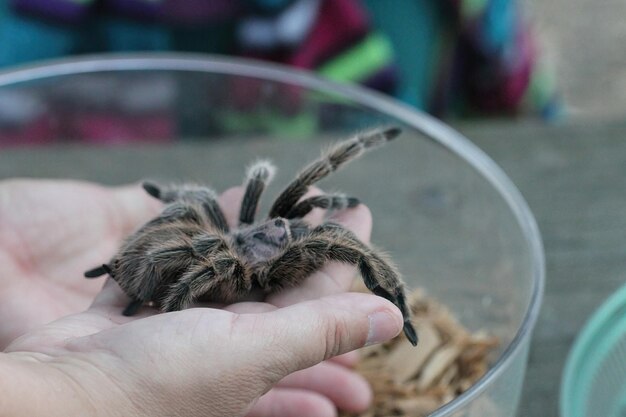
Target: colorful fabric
<point x="495" y="62"/>
<point x="447" y="57"/>
<point x="167" y="11"/>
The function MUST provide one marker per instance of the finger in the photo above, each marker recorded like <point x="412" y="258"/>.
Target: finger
<point x="230" y="202"/>
<point x="334" y="277"/>
<point x="357" y="219"/>
<point x="130" y="207"/>
<point x="263" y="348"/>
<point x="292" y="403"/>
<point x="347" y="360"/>
<point x="302" y="335"/>
<point x="250" y="308"/>
<point x="316" y="216"/>
<point x="359" y="387"/>
<point x="348" y="390"/>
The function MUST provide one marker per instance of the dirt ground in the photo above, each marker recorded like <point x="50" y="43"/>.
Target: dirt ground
<point x="585" y="40"/>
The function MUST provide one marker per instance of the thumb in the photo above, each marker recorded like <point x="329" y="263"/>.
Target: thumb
<point x="305" y="334"/>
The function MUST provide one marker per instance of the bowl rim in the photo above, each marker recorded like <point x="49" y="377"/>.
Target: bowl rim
<point x="601" y="331"/>
<point x="427" y="125"/>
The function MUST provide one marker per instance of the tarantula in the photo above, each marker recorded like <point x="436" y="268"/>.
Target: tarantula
<point x="189" y="253"/>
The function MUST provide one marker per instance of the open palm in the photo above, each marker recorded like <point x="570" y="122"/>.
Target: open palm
<point x="50" y="233"/>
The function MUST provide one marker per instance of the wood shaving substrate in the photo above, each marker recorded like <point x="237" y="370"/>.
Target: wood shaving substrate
<point x="415" y="381"/>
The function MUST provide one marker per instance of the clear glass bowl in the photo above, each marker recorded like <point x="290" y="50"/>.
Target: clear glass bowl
<point x="452" y="220"/>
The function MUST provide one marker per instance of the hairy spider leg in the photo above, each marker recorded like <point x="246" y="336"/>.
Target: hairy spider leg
<point x="203" y="196"/>
<point x="132" y="308"/>
<point x="134" y="305"/>
<point x="396" y="296"/>
<point x="98" y="271"/>
<point x="334" y="159"/>
<point x="196" y="281"/>
<point x="328" y="201"/>
<point x="224" y="279"/>
<point x="258" y="176"/>
<point x="331" y="242"/>
<point x="165" y="263"/>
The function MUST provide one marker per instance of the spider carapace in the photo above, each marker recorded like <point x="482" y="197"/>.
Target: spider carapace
<point x="189" y="253"/>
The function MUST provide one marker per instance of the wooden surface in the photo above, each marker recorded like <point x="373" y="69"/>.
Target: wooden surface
<point x="573" y="177"/>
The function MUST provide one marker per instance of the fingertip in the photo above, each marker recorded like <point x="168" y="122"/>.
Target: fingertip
<point x="330" y="326"/>
<point x="230" y="202"/>
<point x="347" y="389"/>
<point x="315" y="216"/>
<point x="313" y="191"/>
<point x="361" y="396"/>
<point x="287" y="402"/>
<point x="347" y="360"/>
<point x="357" y="219"/>
<point x="384" y="325"/>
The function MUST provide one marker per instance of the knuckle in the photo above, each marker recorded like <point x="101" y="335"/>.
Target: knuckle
<point x="337" y="337"/>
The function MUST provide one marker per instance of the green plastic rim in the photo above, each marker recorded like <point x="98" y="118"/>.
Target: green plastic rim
<point x="600" y="334"/>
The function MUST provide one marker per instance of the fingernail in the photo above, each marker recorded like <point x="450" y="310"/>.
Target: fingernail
<point x="383" y="326"/>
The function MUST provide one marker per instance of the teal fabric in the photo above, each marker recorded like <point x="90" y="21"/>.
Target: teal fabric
<point x="498" y="26"/>
<point x="452" y="57"/>
<point x="31" y="40"/>
<point x="26" y="39"/>
<point x="215" y="38"/>
<point x="413" y="26"/>
<point x="124" y="35"/>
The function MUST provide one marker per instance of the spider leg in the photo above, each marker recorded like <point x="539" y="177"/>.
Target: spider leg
<point x="197" y="281"/>
<point x="395" y="295"/>
<point x="331" y="242"/>
<point x="132" y="308"/>
<point x="159" y="265"/>
<point x="168" y="261"/>
<point x="338" y="155"/>
<point x="257" y="177"/>
<point x="193" y="194"/>
<point x="175" y="211"/>
<point x="330" y="201"/>
<point x="98" y="271"/>
<point x="223" y="280"/>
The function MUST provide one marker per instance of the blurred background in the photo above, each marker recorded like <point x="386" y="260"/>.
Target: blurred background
<point x="456" y="59"/>
<point x="584" y="43"/>
<point x="453" y="58"/>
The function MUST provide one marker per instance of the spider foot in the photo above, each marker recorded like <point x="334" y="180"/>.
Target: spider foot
<point x="132" y="308"/>
<point x="152" y="189"/>
<point x="98" y="271"/>
<point x="410" y="333"/>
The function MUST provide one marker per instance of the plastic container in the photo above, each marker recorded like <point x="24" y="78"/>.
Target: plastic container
<point x="594" y="379"/>
<point x="452" y="220"/>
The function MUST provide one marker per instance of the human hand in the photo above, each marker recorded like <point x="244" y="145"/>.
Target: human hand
<point x="331" y="384"/>
<point x="51" y="231"/>
<point x="196" y="362"/>
<point x="84" y="224"/>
